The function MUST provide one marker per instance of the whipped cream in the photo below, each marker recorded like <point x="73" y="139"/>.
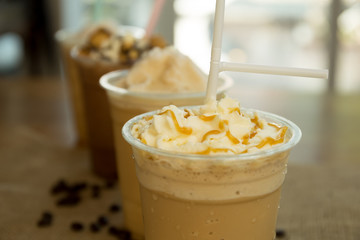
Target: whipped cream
<point x="217" y="128"/>
<point x="165" y="71"/>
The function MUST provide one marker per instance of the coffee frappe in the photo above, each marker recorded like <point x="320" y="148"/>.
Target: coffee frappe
<point x="210" y="172"/>
<point x="106" y="49"/>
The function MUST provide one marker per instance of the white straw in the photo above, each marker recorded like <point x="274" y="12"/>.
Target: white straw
<point x="216" y="66"/>
<point x="215" y="51"/>
<point x="262" y="69"/>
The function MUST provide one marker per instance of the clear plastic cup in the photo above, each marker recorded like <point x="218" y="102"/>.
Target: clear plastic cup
<point x="66" y="41"/>
<point x="124" y="106"/>
<point x="190" y="196"/>
<point x="97" y="109"/>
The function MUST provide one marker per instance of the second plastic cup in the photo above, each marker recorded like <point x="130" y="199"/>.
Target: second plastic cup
<point x="124" y="106"/>
<point x="211" y="197"/>
<point x="97" y="110"/>
<point x="67" y="40"/>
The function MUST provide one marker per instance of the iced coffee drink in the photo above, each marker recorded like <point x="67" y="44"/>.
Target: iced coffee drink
<point x="106" y="50"/>
<point x="161" y="77"/>
<point x="210" y="172"/>
<point x="67" y="40"/>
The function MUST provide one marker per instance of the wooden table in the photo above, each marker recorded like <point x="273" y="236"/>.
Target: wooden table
<point x="321" y="194"/>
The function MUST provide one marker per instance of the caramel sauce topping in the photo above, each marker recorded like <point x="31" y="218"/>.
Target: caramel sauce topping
<point x="143" y="141"/>
<point x="272" y="141"/>
<point x="223" y="127"/>
<point x="245" y="139"/>
<point x="223" y="124"/>
<point x="275" y="126"/>
<point x="209" y="133"/>
<point x="207" y="118"/>
<point x="231" y="137"/>
<point x="184" y="130"/>
<point x="255" y="120"/>
<point x="235" y="110"/>
<point x="187" y="113"/>
<point x="148" y="118"/>
<point x="209" y="150"/>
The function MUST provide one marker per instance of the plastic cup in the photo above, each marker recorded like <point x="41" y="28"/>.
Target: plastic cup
<point x="97" y="110"/>
<point x="190" y="196"/>
<point x="124" y="106"/>
<point x="66" y="41"/>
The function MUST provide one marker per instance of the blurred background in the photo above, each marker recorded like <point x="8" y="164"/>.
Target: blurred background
<point x="297" y="33"/>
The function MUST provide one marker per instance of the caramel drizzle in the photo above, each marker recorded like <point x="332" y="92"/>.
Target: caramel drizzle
<point x="231" y="137"/>
<point x="187" y="113"/>
<point x="210" y="149"/>
<point x="223" y="124"/>
<point x="148" y="118"/>
<point x="184" y="130"/>
<point x="235" y="110"/>
<point x="143" y="141"/>
<point x="275" y="126"/>
<point x="253" y="132"/>
<point x="209" y="133"/>
<point x="207" y="118"/>
<point x="245" y="139"/>
<point x="255" y="120"/>
<point x="272" y="141"/>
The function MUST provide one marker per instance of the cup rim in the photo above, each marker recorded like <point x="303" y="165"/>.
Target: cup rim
<point x="295" y="138"/>
<point x="107" y="79"/>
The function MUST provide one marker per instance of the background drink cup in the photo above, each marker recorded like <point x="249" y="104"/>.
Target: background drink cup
<point x="126" y="105"/>
<point x="97" y="110"/>
<point x="186" y="196"/>
<point x="66" y="41"/>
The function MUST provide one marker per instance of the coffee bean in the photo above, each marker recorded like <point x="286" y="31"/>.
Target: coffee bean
<point x="47" y="215"/>
<point x="95" y="227"/>
<point x="121" y="234"/>
<point x="280" y="233"/>
<point x="113" y="230"/>
<point x="77" y="226"/>
<point x="46" y="219"/>
<point x="110" y="184"/>
<point x="114" y="208"/>
<point x="95" y="191"/>
<point x="77" y="187"/>
<point x="43" y="223"/>
<point x="69" y="200"/>
<point x="59" y="187"/>
<point x="102" y="220"/>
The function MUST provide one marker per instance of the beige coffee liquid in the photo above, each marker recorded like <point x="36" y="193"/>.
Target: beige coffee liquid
<point x="74" y="88"/>
<point x="210" y="199"/>
<point x="129" y="185"/>
<point x="172" y="218"/>
<point x="98" y="116"/>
